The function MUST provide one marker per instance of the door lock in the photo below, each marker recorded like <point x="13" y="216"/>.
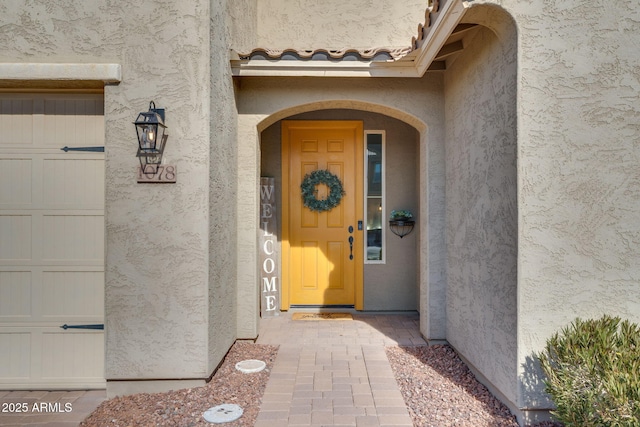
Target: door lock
<point x="360" y="225"/>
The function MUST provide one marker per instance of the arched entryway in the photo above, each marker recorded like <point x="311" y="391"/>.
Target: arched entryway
<point x="390" y="264"/>
<point x="263" y="102"/>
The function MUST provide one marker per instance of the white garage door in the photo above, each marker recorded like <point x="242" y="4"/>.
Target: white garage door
<point x="51" y="241"/>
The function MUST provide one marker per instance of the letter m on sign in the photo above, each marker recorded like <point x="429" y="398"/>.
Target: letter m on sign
<point x="269" y="284"/>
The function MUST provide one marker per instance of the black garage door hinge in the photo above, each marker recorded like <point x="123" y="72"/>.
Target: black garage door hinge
<point x="98" y="326"/>
<point x="94" y="149"/>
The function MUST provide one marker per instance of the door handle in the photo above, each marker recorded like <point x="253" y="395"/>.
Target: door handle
<point x="351" y="247"/>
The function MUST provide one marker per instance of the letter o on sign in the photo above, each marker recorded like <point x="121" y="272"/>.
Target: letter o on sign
<point x="268" y="266"/>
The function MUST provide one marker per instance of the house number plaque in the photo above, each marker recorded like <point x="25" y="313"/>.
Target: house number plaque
<point x="161" y="174"/>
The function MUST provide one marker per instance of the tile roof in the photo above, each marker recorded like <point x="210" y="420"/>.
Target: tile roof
<point x="368" y="55"/>
<point x="376" y="54"/>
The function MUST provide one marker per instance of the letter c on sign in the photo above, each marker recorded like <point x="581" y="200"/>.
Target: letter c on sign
<point x="268" y="249"/>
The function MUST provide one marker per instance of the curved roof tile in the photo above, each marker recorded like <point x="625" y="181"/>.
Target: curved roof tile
<point x="369" y="55"/>
<point x="376" y="54"/>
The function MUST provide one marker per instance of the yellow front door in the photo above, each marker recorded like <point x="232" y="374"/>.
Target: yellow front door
<point x="322" y="251"/>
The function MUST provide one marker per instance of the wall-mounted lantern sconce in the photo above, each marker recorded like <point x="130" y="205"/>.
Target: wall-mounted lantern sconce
<point x="401" y="223"/>
<point x="152" y="139"/>
<point x="151" y="136"/>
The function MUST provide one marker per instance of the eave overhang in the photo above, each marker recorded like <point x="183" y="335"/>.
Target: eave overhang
<point x="441" y="20"/>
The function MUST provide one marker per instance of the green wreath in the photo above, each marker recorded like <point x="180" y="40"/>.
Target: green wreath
<point x="308" y="187"/>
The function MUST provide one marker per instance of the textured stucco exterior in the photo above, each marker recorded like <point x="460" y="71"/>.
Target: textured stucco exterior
<point x="170" y="295"/>
<point x="151" y="322"/>
<point x="527" y="172"/>
<point x="481" y="200"/>
<point x="578" y="175"/>
<point x="577" y="180"/>
<point x="309" y="24"/>
<point x="228" y="20"/>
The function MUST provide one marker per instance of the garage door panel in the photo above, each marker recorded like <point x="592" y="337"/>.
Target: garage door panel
<point x="15" y="244"/>
<point x="15" y="182"/>
<point x="73" y="237"/>
<point x="51" y="241"/>
<point x="52" y="181"/>
<point x="16" y="121"/>
<point x="51" y="357"/>
<point x="71" y="354"/>
<point x="73" y="121"/>
<point x="15" y="295"/>
<point x="73" y="182"/>
<point x="72" y="295"/>
<point x="51" y="120"/>
<point x="15" y="351"/>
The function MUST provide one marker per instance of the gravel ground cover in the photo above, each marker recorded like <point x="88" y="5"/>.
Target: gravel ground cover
<point x="441" y="391"/>
<point x="185" y="407"/>
<point x="438" y="388"/>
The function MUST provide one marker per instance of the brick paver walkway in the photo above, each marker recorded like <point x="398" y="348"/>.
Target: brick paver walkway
<point x="327" y="373"/>
<point x="335" y="372"/>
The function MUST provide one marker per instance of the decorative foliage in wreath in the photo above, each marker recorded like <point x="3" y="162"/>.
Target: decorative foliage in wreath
<point x="308" y="187"/>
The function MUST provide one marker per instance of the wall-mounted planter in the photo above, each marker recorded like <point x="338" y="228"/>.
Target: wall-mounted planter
<point x="401" y="227"/>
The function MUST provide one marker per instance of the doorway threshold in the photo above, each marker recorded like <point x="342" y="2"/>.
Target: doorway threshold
<point x="322" y="309"/>
<point x="346" y="309"/>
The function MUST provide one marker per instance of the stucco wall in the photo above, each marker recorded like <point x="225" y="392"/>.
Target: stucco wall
<point x="157" y="236"/>
<point x="337" y="24"/>
<point x="156" y="312"/>
<point x="579" y="181"/>
<point x="577" y="176"/>
<point x="480" y="109"/>
<point x="156" y="276"/>
<point x="241" y="21"/>
<point x="394" y="284"/>
<point x="229" y="21"/>
<point x="578" y="191"/>
<point x="38" y="31"/>
<point x="241" y="24"/>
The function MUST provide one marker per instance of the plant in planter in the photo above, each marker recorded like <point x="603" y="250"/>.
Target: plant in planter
<point x="401" y="215"/>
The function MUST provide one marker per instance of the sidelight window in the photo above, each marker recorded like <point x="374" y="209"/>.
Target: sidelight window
<point x="374" y="191"/>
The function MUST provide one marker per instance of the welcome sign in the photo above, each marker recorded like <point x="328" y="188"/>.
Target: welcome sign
<point x="268" y="240"/>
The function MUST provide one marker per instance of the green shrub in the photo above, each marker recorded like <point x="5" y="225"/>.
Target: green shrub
<point x="593" y="373"/>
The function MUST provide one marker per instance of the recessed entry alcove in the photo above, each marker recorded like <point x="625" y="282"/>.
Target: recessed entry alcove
<point x="391" y="280"/>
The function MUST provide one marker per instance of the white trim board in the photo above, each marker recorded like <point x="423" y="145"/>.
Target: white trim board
<point x="107" y="73"/>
